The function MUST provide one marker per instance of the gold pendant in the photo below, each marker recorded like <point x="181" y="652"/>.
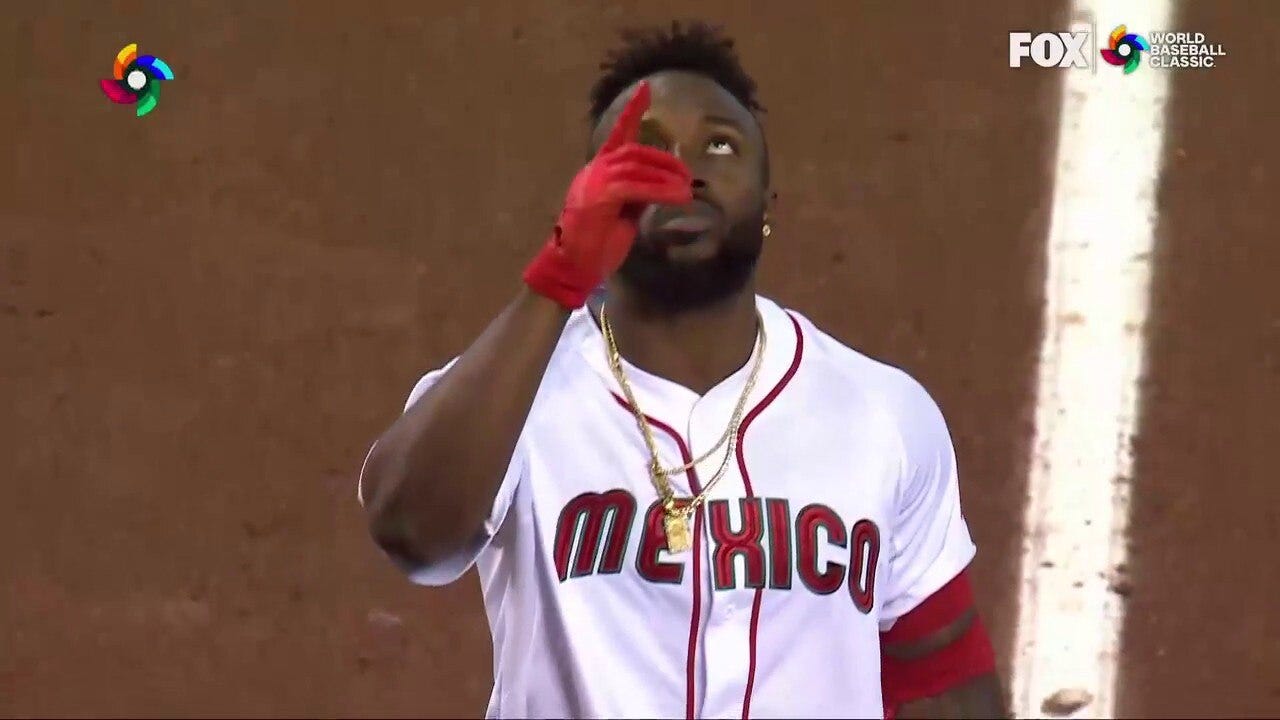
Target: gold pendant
<point x="676" y="525"/>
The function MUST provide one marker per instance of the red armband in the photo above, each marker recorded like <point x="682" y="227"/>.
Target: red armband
<point x="964" y="659"/>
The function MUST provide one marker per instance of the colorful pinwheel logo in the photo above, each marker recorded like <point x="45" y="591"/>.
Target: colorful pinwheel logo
<point x="1126" y="49"/>
<point x="136" y="79"/>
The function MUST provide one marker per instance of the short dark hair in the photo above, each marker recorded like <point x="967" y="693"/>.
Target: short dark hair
<point x="695" y="46"/>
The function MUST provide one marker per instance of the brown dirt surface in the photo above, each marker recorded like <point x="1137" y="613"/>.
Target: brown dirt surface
<point x="1203" y="632"/>
<point x="207" y="313"/>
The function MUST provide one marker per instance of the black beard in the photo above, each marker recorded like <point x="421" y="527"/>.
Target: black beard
<point x="669" y="288"/>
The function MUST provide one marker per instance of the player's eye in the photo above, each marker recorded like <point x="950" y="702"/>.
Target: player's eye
<point x="722" y="146"/>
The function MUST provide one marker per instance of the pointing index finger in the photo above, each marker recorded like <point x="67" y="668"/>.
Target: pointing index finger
<point x="627" y="126"/>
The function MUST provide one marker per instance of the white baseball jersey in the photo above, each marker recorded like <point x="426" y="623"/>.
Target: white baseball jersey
<point x="839" y="513"/>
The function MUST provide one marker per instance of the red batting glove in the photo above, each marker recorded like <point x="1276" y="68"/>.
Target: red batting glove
<point x="597" y="226"/>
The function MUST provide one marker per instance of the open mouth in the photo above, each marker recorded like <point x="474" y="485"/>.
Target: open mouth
<point x="680" y="224"/>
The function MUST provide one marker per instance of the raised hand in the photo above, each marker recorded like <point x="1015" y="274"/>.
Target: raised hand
<point x="597" y="224"/>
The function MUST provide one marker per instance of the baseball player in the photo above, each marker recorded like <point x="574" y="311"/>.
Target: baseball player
<point x="683" y="499"/>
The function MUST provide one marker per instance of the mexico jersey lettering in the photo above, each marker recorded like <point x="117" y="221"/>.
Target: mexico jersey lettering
<point x="839" y="512"/>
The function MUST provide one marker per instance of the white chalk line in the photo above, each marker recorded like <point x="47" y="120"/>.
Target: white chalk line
<point x="1098" y="255"/>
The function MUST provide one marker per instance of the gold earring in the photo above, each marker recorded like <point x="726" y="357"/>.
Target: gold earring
<point x="767" y="231"/>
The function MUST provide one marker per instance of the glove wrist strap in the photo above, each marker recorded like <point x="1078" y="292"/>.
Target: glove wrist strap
<point x="553" y="275"/>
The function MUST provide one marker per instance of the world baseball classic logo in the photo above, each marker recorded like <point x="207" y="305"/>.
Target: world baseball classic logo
<point x="136" y="79"/>
<point x="1125" y="49"/>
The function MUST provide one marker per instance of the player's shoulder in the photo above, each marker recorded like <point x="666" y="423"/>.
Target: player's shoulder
<point x="561" y="368"/>
<point x="847" y="364"/>
<point x="842" y="368"/>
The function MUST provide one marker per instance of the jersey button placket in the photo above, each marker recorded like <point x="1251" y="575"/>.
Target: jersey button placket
<point x="725" y="640"/>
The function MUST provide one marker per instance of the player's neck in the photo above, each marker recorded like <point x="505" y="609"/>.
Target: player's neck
<point x="696" y="348"/>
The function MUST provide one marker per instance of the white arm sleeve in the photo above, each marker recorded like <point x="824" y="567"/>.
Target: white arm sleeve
<point x="449" y="569"/>
<point x="931" y="542"/>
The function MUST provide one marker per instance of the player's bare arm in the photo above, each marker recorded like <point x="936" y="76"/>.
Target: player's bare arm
<point x="431" y="477"/>
<point x="981" y="697"/>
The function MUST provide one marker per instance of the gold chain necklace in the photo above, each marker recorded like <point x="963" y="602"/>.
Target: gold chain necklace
<point x="675" y="516"/>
